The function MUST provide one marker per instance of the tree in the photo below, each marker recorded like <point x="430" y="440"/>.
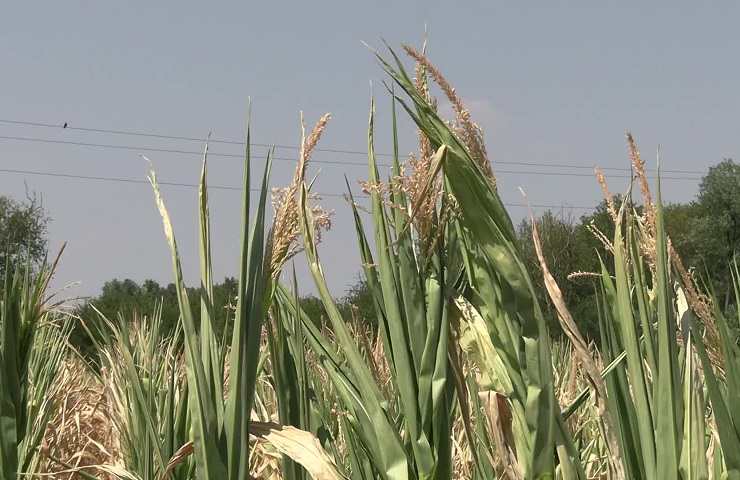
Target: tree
<point x="358" y="303"/>
<point x="125" y="298"/>
<point x="717" y="228"/>
<point x="680" y="223"/>
<point x="23" y="228"/>
<point x="567" y="247"/>
<point x="314" y="308"/>
<point x="570" y="246"/>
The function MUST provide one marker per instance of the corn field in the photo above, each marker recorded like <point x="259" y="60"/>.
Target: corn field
<point x="461" y="379"/>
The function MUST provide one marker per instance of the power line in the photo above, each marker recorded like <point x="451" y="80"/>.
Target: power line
<point x="295" y="147"/>
<point x="130" y="180"/>
<point x="164" y="150"/>
<point x="227" y="187"/>
<point x="135" y="133"/>
<point x="324" y="162"/>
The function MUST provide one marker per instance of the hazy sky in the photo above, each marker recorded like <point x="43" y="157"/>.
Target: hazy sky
<point x="551" y="84"/>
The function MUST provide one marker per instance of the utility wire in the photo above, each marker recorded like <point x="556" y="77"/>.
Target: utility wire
<point x="225" y="187"/>
<point x="294" y="147"/>
<point x="285" y="159"/>
<point x="178" y="137"/>
<point x="163" y="150"/>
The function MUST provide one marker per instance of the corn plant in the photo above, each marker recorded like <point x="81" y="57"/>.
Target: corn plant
<point x="412" y="313"/>
<point x="33" y="345"/>
<point x="497" y="289"/>
<point x="220" y="419"/>
<point x="660" y="412"/>
<point x="723" y="395"/>
<point x="419" y="283"/>
<point x="323" y="418"/>
<point x="468" y="365"/>
<point x="220" y="423"/>
<point x="141" y="370"/>
<point x="290" y="375"/>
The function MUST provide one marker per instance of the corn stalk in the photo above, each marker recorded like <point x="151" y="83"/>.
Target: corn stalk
<point x="220" y="422"/>
<point x="499" y="289"/>
<point x="141" y="369"/>
<point x="33" y="345"/>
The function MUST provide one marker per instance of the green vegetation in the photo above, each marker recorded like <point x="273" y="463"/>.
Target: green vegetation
<point x="32" y="353"/>
<point x="464" y="352"/>
<point x="22" y="231"/>
<point x="701" y="231"/>
<point x="704" y="233"/>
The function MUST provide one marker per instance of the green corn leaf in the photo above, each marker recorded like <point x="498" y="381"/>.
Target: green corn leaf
<point x="251" y="307"/>
<point x="668" y="406"/>
<point x="210" y="462"/>
<point x="391" y="456"/>
<point x="623" y="315"/>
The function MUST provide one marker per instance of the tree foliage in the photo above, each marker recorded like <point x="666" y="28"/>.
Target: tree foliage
<point x="123" y="299"/>
<point x="717" y="227"/>
<point x="23" y="229"/>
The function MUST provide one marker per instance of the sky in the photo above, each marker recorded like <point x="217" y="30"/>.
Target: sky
<point x="552" y="84"/>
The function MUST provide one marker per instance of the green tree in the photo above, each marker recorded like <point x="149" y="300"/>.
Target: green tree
<point x="126" y="298"/>
<point x="314" y="308"/>
<point x="358" y="303"/>
<point x="680" y="223"/>
<point x="23" y="228"/>
<point x="568" y="247"/>
<point x="717" y="228"/>
<point x="705" y="233"/>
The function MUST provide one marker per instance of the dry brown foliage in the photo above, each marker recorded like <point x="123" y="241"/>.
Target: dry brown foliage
<point x="469" y="132"/>
<point x="286" y="229"/>
<point x="81" y="433"/>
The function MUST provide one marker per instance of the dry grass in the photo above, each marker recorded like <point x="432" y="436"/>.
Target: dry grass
<point x="81" y="434"/>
